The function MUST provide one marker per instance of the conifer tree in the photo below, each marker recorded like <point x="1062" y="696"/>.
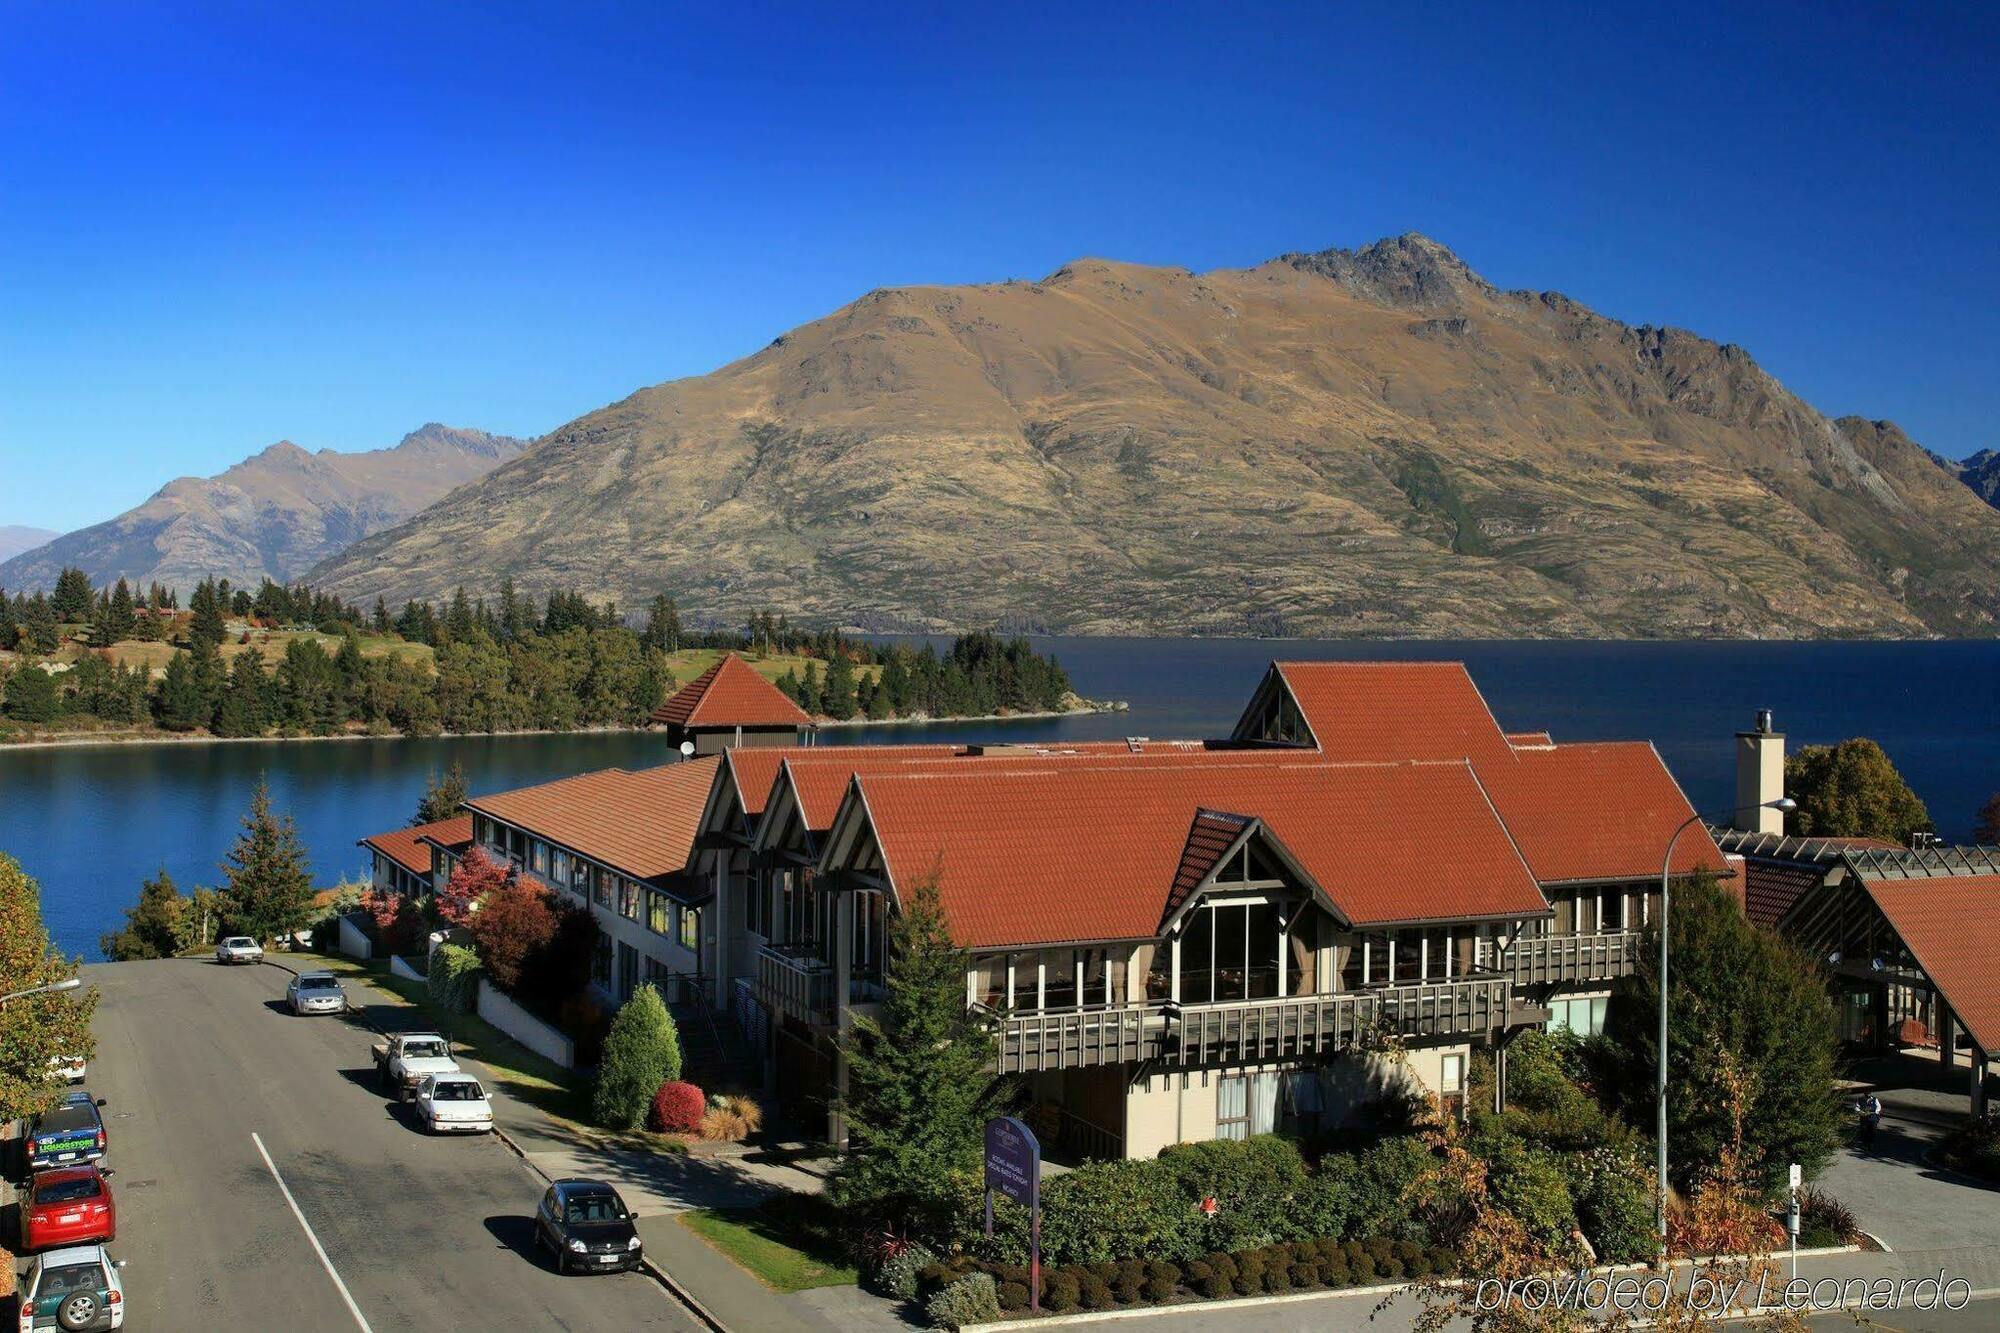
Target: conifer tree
<point x="641" y="1051"/>
<point x="177" y="705"/>
<point x="380" y="620"/>
<point x="121" y="615"/>
<point x="919" y="1086"/>
<point x="837" y="695"/>
<point x="155" y="927"/>
<point x="269" y="891"/>
<point x="245" y="709"/>
<point x="663" y="625"/>
<point x="32" y="695"/>
<point x="443" y="797"/>
<point x="206" y="604"/>
<point x="809" y="691"/>
<point x="72" y="599"/>
<point x="38" y="626"/>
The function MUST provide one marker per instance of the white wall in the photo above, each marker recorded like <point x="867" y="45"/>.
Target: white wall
<point x="399" y="968"/>
<point x="524" y="1027"/>
<point x="352" y="942"/>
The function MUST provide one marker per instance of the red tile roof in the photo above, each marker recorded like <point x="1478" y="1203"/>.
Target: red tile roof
<point x="1521" y="738"/>
<point x="1209" y="838"/>
<point x="642" y="823"/>
<point x="1060" y="852"/>
<point x="1385" y="711"/>
<point x="1948" y="922"/>
<point x="730" y="694"/>
<point x="754" y="767"/>
<point x="405" y="847"/>
<point x="1594" y="811"/>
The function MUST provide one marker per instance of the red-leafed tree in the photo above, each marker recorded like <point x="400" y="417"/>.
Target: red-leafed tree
<point x="475" y="876"/>
<point x="399" y="925"/>
<point x="514" y="925"/>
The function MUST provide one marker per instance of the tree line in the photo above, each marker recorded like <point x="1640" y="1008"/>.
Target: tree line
<point x="510" y="664"/>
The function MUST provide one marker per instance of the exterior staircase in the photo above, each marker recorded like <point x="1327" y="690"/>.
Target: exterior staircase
<point x="716" y="1055"/>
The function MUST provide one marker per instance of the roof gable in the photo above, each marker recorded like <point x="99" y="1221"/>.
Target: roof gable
<point x="407" y="846"/>
<point x="1597" y="811"/>
<point x="1948" y="924"/>
<point x="730" y="694"/>
<point x="1379" y="712"/>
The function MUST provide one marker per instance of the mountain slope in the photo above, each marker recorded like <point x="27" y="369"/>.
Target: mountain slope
<point x="14" y="539"/>
<point x="275" y="514"/>
<point x="1348" y="442"/>
<point x="1981" y="472"/>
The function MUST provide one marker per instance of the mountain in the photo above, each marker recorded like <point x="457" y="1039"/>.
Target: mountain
<point x="275" y="514"/>
<point x="1981" y="472"/>
<point x="1348" y="442"/>
<point x="15" y="539"/>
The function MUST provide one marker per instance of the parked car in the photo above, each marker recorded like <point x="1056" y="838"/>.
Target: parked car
<point x="588" y="1227"/>
<point x="406" y="1059"/>
<point x="70" y="1069"/>
<point x="70" y="1134"/>
<point x="68" y="1206"/>
<point x="454" y="1104"/>
<point x="239" y="949"/>
<point x="75" y="1289"/>
<point x="316" y="993"/>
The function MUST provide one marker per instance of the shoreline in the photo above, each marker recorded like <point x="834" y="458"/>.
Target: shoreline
<point x="87" y="739"/>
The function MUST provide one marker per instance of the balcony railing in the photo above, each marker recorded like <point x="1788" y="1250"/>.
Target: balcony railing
<point x="1239" y="1031"/>
<point x="1319" y="1024"/>
<point x="1535" y="960"/>
<point x="795" y="982"/>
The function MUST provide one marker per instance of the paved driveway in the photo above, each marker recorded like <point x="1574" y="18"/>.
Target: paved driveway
<point x="415" y="1232"/>
<point x="1898" y="1197"/>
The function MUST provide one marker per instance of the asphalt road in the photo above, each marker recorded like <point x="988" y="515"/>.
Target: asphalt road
<point x="200" y="1064"/>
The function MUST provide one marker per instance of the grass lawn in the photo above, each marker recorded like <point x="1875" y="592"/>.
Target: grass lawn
<point x="520" y="1073"/>
<point x="760" y="1242"/>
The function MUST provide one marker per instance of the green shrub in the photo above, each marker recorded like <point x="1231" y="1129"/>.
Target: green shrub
<point x="454" y="978"/>
<point x="1278" y="1279"/>
<point x="1385" y="1187"/>
<point x="1104" y="1271"/>
<point x="1158" y="1290"/>
<point x="1973" y="1146"/>
<point x="1224" y="1264"/>
<point x="897" y="1276"/>
<point x="1162" y="1270"/>
<point x="1013" y="1296"/>
<point x="1097" y="1294"/>
<point x="934" y="1277"/>
<point x="1389" y="1268"/>
<point x="1110" y="1210"/>
<point x="972" y="1299"/>
<point x="1614" y="1206"/>
<point x="1216" y="1287"/>
<point x="1824" y="1220"/>
<point x="1305" y="1275"/>
<point x="1443" y="1260"/>
<point x="1531" y="1183"/>
<point x="641" y="1052"/>
<point x="1061" y="1291"/>
<point x="1362" y="1265"/>
<point x="1254" y="1182"/>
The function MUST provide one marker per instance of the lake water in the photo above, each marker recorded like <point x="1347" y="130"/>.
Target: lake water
<point x="91" y="822"/>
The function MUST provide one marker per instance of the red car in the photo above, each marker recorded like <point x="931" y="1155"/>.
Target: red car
<point x="68" y="1206"/>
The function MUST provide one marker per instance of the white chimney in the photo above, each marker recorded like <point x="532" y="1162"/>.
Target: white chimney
<point x="1760" y="776"/>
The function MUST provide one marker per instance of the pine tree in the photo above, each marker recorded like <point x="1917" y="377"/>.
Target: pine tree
<point x="121" y="617"/>
<point x="919" y="1082"/>
<point x="10" y="623"/>
<point x="177" y="704"/>
<point x="155" y="927"/>
<point x="458" y="621"/>
<point x="245" y="709"/>
<point x="663" y="625"/>
<point x="32" y="695"/>
<point x="837" y="695"/>
<point x="206" y="603"/>
<point x="380" y="620"/>
<point x="38" y="626"/>
<point x="269" y="892"/>
<point x="72" y="599"/>
<point x="443" y="797"/>
<point x="809" y="691"/>
<point x="210" y="678"/>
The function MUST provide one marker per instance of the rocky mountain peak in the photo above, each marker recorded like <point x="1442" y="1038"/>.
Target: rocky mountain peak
<point x="1410" y="272"/>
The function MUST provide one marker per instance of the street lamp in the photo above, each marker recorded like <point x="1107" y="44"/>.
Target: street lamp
<point x="1784" y="805"/>
<point x="67" y="983"/>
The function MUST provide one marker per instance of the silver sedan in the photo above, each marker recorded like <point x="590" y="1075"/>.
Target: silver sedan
<point x="316" y="993"/>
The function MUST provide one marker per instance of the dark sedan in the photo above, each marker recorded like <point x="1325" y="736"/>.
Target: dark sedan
<point x="588" y="1227"/>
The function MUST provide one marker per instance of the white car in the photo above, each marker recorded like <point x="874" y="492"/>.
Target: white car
<point x="239" y="949"/>
<point x="74" y="1288"/>
<point x="454" y="1104"/>
<point x="69" y="1070"/>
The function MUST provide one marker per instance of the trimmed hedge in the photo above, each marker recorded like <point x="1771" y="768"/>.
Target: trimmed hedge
<point x="454" y="978"/>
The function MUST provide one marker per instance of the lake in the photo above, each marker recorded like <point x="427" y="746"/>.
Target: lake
<point x="91" y="822"/>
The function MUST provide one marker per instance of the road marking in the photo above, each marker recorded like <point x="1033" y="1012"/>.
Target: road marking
<point x="306" y="1226"/>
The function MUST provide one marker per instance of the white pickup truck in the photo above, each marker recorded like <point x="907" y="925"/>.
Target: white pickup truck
<point x="408" y="1058"/>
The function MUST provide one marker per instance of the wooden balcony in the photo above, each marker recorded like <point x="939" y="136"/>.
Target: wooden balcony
<point x="795" y="983"/>
<point x="1248" y="1030"/>
<point x="1304" y="1025"/>
<point x="1537" y="960"/>
<point x="1077" y="1038"/>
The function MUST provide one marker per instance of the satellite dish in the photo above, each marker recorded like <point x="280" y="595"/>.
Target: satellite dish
<point x="687" y="749"/>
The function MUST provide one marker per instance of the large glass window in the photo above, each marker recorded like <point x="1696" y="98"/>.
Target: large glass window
<point x="539" y="857"/>
<point x="628" y="899"/>
<point x="691" y="928"/>
<point x="989" y="981"/>
<point x="756" y="903"/>
<point x="1247" y="1104"/>
<point x="659" y="913"/>
<point x="1059" y="978"/>
<point x="1229" y="951"/>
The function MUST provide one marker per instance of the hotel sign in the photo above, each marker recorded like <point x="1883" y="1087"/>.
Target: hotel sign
<point x="1014" y="1168"/>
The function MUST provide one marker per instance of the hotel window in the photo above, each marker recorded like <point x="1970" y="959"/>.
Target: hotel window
<point x="600" y="880"/>
<point x="691" y="928"/>
<point x="656" y="975"/>
<point x="1451" y="1083"/>
<point x="628" y="899"/>
<point x="989" y="981"/>
<point x="659" y="913"/>
<point x="540" y="862"/>
<point x="1246" y="1104"/>
<point x="1436" y="953"/>
<point x="1229" y="951"/>
<point x="1059" y="978"/>
<point x="600" y="961"/>
<point x="756" y="903"/>
<point x="1583" y="1015"/>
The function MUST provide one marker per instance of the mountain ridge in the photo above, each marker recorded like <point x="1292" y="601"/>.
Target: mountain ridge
<point x="273" y="514"/>
<point x="1374" y="441"/>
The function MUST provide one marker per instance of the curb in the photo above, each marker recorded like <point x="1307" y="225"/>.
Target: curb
<point x="1182" y="1307"/>
<point x="651" y="1269"/>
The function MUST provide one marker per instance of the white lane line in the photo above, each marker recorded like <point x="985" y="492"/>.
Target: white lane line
<point x="306" y="1226"/>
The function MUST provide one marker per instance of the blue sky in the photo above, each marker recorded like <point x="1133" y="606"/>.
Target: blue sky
<point x="222" y="225"/>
